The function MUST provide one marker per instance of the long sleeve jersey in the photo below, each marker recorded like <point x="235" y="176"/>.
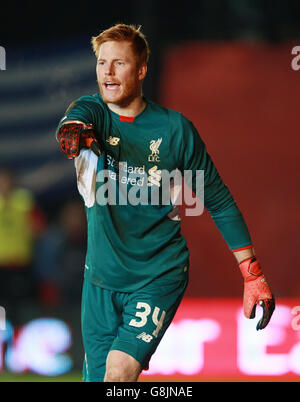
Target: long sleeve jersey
<point x="134" y="233"/>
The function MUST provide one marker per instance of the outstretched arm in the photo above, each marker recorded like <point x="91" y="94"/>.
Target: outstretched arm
<point x="73" y="135"/>
<point x="76" y="129"/>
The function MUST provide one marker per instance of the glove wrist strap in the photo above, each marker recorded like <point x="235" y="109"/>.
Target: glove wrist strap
<point x="250" y="269"/>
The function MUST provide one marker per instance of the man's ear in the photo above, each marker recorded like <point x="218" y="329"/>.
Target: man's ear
<point x="142" y="71"/>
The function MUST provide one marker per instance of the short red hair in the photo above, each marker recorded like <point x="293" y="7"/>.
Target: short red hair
<point x="123" y="32"/>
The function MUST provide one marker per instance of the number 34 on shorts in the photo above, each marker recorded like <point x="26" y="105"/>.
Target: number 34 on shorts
<point x="143" y="314"/>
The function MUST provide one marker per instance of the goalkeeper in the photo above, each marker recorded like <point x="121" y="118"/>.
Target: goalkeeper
<point x="137" y="261"/>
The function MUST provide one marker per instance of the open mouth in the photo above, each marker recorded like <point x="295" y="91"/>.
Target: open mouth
<point x="111" y="85"/>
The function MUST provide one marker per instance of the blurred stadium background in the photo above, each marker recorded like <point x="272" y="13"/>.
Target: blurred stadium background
<point x="227" y="65"/>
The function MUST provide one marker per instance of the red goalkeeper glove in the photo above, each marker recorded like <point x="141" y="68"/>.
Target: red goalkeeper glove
<point x="256" y="291"/>
<point x="73" y="135"/>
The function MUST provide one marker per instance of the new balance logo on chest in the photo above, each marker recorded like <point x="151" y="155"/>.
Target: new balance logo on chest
<point x="113" y="140"/>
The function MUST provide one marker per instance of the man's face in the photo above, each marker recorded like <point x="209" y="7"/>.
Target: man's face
<point x="118" y="75"/>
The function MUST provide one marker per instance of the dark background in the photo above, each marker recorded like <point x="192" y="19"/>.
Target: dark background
<point x="42" y="24"/>
<point x="225" y="64"/>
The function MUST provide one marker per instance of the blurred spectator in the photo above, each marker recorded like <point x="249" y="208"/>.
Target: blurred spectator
<point x="21" y="222"/>
<point x="61" y="257"/>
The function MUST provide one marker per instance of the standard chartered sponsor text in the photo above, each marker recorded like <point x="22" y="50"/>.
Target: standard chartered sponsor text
<point x="121" y="184"/>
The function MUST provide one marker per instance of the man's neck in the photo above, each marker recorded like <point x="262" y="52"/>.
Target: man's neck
<point x="133" y="109"/>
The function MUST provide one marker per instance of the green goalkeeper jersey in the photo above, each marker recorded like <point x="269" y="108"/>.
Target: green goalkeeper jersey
<point x="134" y="232"/>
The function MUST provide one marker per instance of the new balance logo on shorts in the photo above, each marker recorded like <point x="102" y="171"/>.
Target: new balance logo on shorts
<point x="145" y="337"/>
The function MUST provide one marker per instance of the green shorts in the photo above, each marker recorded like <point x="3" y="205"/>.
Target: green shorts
<point x="133" y="323"/>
